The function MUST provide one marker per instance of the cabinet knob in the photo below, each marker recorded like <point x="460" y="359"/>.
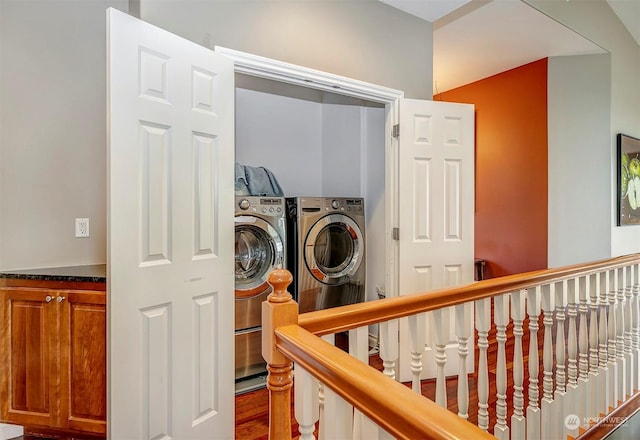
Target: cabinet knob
<point x="48" y="298"/>
<point x="60" y="299"/>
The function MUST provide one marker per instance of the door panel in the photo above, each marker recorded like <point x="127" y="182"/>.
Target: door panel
<point x="30" y="340"/>
<point x="171" y="152"/>
<point x="83" y="334"/>
<point x="436" y="209"/>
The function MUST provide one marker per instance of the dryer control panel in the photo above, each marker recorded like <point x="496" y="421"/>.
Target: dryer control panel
<point x="261" y="205"/>
<point x="353" y="206"/>
<point x="348" y="205"/>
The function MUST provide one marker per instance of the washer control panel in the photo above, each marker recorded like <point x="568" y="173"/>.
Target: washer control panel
<point x="272" y="206"/>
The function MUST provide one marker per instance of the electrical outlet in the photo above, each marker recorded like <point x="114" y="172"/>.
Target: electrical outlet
<point x="82" y="227"/>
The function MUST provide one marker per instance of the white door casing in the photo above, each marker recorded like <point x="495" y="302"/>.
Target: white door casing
<point x="275" y="70"/>
<point x="170" y="246"/>
<point x="436" y="214"/>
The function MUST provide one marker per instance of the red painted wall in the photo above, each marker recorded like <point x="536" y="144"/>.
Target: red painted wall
<point x="511" y="167"/>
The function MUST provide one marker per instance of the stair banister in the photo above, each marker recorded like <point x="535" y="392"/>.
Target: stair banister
<point x="608" y="290"/>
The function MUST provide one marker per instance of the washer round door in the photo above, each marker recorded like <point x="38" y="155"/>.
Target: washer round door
<point x="259" y="250"/>
<point x="334" y="249"/>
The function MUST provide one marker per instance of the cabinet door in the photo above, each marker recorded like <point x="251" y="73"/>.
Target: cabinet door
<point x="28" y="347"/>
<point x="83" y="381"/>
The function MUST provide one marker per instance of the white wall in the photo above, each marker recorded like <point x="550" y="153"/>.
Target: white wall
<point x="313" y="148"/>
<point x="53" y="138"/>
<point x="341" y="150"/>
<point x="595" y="20"/>
<point x="579" y="90"/>
<point x="284" y="135"/>
<point x="364" y="39"/>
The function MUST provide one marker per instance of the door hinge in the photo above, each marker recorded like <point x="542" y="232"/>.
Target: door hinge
<point x="395" y="233"/>
<point x="396" y="131"/>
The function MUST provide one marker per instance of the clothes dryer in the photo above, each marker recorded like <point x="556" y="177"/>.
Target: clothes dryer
<point x="260" y="247"/>
<point x="326" y="251"/>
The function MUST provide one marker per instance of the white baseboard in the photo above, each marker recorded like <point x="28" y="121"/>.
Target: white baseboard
<point x="10" y="431"/>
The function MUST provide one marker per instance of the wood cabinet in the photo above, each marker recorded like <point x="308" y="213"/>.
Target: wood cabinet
<point x="53" y="345"/>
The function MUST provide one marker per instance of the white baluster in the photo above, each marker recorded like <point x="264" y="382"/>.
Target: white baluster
<point x="389" y="346"/>
<point x="322" y="391"/>
<point x="561" y="347"/>
<point x="483" y="324"/>
<point x="546" y="404"/>
<point x="628" y="331"/>
<point x="363" y="428"/>
<point x="620" y="326"/>
<point x="635" y="330"/>
<point x="612" y="355"/>
<point x="593" y="392"/>
<point x="603" y="344"/>
<point x="622" y="362"/>
<point x="518" y="427"/>
<point x="440" y="324"/>
<point x="571" y="401"/>
<point x="417" y="336"/>
<point x="583" y="349"/>
<point x="463" y="331"/>
<point x="533" y="409"/>
<point x="338" y="416"/>
<point x="501" y="318"/>
<point x="306" y="402"/>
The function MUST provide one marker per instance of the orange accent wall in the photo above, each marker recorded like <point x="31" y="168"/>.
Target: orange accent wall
<point x="511" y="167"/>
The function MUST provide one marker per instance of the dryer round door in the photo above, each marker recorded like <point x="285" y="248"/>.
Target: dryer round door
<point x="259" y="249"/>
<point x="334" y="249"/>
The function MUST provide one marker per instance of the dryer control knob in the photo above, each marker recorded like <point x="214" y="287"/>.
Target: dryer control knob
<point x="244" y="204"/>
<point x="335" y="204"/>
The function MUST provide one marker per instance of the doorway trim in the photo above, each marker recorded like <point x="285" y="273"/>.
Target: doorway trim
<point x="254" y="65"/>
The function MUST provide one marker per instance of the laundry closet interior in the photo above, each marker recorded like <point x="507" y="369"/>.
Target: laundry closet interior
<point x="321" y="145"/>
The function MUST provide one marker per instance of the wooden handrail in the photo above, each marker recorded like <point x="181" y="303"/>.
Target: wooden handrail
<point x="289" y="337"/>
<point x="343" y="318"/>
<point x="382" y="399"/>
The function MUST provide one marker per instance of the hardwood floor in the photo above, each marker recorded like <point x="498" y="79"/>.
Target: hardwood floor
<point x="252" y="418"/>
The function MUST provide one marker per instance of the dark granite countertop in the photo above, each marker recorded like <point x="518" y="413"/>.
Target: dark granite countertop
<point x="96" y="273"/>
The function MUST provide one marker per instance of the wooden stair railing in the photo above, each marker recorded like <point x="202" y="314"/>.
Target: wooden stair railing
<point x="380" y="398"/>
<point x="589" y="315"/>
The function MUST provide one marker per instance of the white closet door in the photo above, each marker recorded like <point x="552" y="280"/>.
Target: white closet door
<point x="170" y="250"/>
<point x="436" y="210"/>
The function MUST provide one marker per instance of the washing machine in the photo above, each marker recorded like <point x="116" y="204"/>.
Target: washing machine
<point x="326" y="251"/>
<point x="260" y="247"/>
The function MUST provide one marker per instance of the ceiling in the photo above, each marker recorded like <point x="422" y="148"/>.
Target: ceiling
<point x="466" y="32"/>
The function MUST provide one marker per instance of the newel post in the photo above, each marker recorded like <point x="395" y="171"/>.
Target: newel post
<point x="279" y="309"/>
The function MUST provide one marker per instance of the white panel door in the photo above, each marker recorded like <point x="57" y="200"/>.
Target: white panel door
<point x="170" y="244"/>
<point x="436" y="213"/>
